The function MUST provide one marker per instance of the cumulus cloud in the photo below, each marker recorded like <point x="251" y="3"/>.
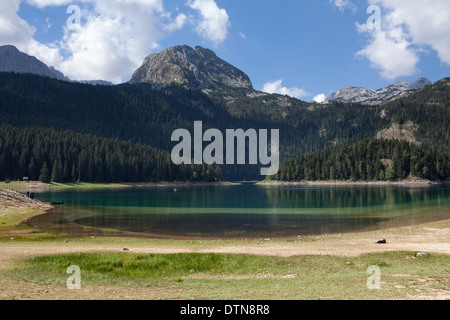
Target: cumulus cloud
<point x="277" y="87"/>
<point x="408" y="28"/>
<point x="320" y="98"/>
<point x="214" y="23"/>
<point x="392" y="55"/>
<point x="177" y="24"/>
<point x="13" y="29"/>
<point x="111" y="41"/>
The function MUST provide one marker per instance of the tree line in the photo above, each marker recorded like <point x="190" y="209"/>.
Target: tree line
<point x="368" y="160"/>
<point x="65" y="156"/>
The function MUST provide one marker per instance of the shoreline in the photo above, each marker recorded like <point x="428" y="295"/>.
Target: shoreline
<point x="419" y="183"/>
<point x="36" y="186"/>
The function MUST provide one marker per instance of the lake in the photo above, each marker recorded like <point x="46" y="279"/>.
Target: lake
<point x="241" y="211"/>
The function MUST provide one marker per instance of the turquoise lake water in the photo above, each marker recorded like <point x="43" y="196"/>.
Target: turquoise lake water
<point x="241" y="211"/>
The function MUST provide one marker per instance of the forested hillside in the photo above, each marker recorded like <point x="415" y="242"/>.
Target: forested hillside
<point x="65" y="156"/>
<point x="147" y="114"/>
<point x="429" y="109"/>
<point x="368" y="160"/>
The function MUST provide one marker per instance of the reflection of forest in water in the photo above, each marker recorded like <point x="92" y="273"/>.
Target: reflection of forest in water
<point x="245" y="196"/>
<point x="246" y="210"/>
<point x="353" y="197"/>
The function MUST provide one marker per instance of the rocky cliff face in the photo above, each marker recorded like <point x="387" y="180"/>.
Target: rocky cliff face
<point x="369" y="97"/>
<point x="12" y="60"/>
<point x="195" y="67"/>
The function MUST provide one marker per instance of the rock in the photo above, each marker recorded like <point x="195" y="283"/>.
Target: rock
<point x="421" y="254"/>
<point x="195" y="67"/>
<point x="419" y="84"/>
<point x="368" y="97"/>
<point x="12" y="60"/>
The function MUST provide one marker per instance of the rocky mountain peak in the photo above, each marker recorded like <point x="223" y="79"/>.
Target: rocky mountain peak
<point x="195" y="67"/>
<point x="13" y="60"/>
<point x="366" y="96"/>
<point x="419" y="84"/>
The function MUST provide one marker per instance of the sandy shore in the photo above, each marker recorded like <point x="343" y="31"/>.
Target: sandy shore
<point x="429" y="238"/>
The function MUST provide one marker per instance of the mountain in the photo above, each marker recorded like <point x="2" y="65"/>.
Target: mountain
<point x="368" y="97"/>
<point x="147" y="113"/>
<point x="194" y="67"/>
<point x="13" y="60"/>
<point x="419" y="84"/>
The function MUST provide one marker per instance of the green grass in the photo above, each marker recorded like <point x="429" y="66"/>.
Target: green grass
<point x="45" y="237"/>
<point x="227" y="276"/>
<point x="12" y="218"/>
<point x="110" y="232"/>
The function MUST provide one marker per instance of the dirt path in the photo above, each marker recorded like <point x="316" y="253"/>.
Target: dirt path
<point x="423" y="238"/>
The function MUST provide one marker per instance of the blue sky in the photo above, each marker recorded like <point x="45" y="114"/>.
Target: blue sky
<point x="296" y="47"/>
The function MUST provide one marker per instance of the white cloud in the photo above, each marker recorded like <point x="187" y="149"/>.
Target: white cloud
<point x="344" y="4"/>
<point x="110" y="43"/>
<point x="47" y="25"/>
<point x="320" y="98"/>
<point x="276" y="87"/>
<point x="45" y="3"/>
<point x="214" y="23"/>
<point x="13" y="29"/>
<point x="177" y="24"/>
<point x="407" y="29"/>
<point x="392" y="55"/>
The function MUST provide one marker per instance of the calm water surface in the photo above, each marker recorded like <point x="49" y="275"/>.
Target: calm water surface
<point x="242" y="210"/>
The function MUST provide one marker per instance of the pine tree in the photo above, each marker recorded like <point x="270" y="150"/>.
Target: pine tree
<point x="57" y="172"/>
<point x="218" y="173"/>
<point x="45" y="174"/>
<point x="32" y="170"/>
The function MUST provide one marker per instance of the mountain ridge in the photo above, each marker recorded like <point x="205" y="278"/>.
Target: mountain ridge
<point x="201" y="68"/>
<point x="389" y="93"/>
<point x="14" y="60"/>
